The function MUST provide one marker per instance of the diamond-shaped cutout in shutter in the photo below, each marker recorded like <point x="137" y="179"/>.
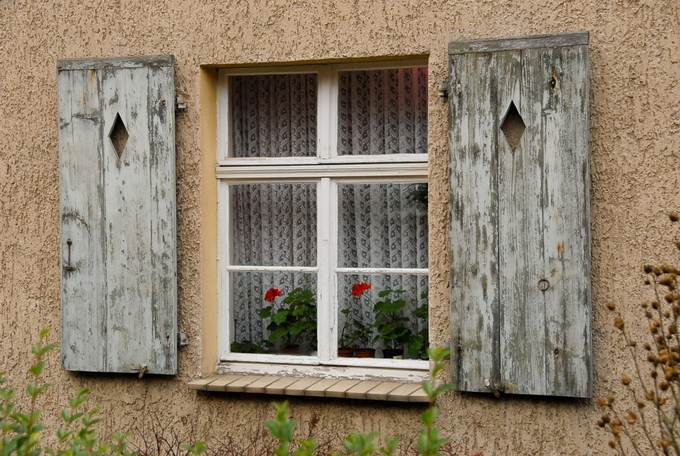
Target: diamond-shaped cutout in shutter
<point x="118" y="135"/>
<point x="513" y="126"/>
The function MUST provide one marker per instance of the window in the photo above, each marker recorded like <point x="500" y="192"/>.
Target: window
<point x="323" y="215"/>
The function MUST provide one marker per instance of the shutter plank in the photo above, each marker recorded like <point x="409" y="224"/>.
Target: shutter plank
<point x="163" y="261"/>
<point x="566" y="215"/>
<point x="521" y="232"/>
<point x="526" y="42"/>
<point x="128" y="209"/>
<point x="474" y="223"/>
<point x="82" y="290"/>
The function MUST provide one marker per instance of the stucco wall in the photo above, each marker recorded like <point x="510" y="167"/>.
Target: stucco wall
<point x="635" y="66"/>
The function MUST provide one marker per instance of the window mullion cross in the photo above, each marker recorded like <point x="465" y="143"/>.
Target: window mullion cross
<point x="325" y="327"/>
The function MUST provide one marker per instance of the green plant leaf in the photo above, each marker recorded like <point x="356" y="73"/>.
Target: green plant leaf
<point x="265" y="312"/>
<point x="298" y="328"/>
<point x="195" y="449"/>
<point x="280" y="316"/>
<point x="306" y="448"/>
<point x="37" y="368"/>
<point x="278" y="334"/>
<point x="390" y="446"/>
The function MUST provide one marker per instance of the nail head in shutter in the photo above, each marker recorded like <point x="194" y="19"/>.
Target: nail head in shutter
<point x="117" y="204"/>
<point x="520" y="217"/>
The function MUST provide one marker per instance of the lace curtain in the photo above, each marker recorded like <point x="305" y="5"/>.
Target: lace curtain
<point x="382" y="112"/>
<point x="381" y="225"/>
<point x="274" y="115"/>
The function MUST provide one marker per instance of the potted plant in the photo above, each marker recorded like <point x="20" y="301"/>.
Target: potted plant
<point x="345" y="350"/>
<point x="361" y="332"/>
<point x="390" y="324"/>
<point x="292" y="323"/>
<point x="419" y="343"/>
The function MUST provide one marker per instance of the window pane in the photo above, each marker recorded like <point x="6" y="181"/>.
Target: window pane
<point x="289" y="327"/>
<point x="273" y="224"/>
<point x="382" y="313"/>
<point x="382" y="225"/>
<point x="274" y="115"/>
<point x="382" y="112"/>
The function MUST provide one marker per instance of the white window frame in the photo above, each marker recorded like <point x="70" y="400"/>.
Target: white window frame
<point x="327" y="169"/>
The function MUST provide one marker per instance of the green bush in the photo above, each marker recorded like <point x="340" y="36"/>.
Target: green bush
<point x="363" y="444"/>
<point x="21" y="431"/>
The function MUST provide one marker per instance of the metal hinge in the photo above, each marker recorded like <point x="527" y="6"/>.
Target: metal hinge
<point x="495" y="388"/>
<point x="180" y="104"/>
<point x="182" y="339"/>
<point x="444" y="89"/>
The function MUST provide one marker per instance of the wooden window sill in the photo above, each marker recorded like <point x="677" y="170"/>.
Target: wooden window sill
<point x="379" y="390"/>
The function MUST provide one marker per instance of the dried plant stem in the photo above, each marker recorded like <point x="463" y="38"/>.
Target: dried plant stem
<point x="665" y="426"/>
<point x="644" y="423"/>
<point x="625" y="431"/>
<point x="660" y="426"/>
<point x="633" y="355"/>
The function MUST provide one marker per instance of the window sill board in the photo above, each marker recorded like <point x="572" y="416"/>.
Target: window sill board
<point x="379" y="390"/>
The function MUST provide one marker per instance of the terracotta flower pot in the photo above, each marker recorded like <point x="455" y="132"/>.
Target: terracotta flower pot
<point x="346" y="352"/>
<point x="291" y="350"/>
<point x="392" y="352"/>
<point x="364" y="352"/>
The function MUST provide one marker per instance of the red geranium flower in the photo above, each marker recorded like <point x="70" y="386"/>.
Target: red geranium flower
<point x="272" y="294"/>
<point x="359" y="288"/>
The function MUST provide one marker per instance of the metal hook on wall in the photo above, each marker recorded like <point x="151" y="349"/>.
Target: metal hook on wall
<point x="68" y="267"/>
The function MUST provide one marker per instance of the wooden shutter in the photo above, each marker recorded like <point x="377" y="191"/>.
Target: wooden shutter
<point x="520" y="216"/>
<point x="118" y="233"/>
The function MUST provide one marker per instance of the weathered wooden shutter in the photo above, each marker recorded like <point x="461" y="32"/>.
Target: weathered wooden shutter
<point x="520" y="215"/>
<point x="118" y="233"/>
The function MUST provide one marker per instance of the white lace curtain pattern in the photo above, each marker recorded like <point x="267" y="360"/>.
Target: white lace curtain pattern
<point x="382" y="112"/>
<point x="274" y="115"/>
<point x="381" y="225"/>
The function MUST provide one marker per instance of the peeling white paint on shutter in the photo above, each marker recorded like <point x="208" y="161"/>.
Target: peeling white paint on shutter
<point x="118" y="218"/>
<point x="520" y="215"/>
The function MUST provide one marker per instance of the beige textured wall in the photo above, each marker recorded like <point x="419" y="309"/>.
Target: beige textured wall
<point x="635" y="68"/>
